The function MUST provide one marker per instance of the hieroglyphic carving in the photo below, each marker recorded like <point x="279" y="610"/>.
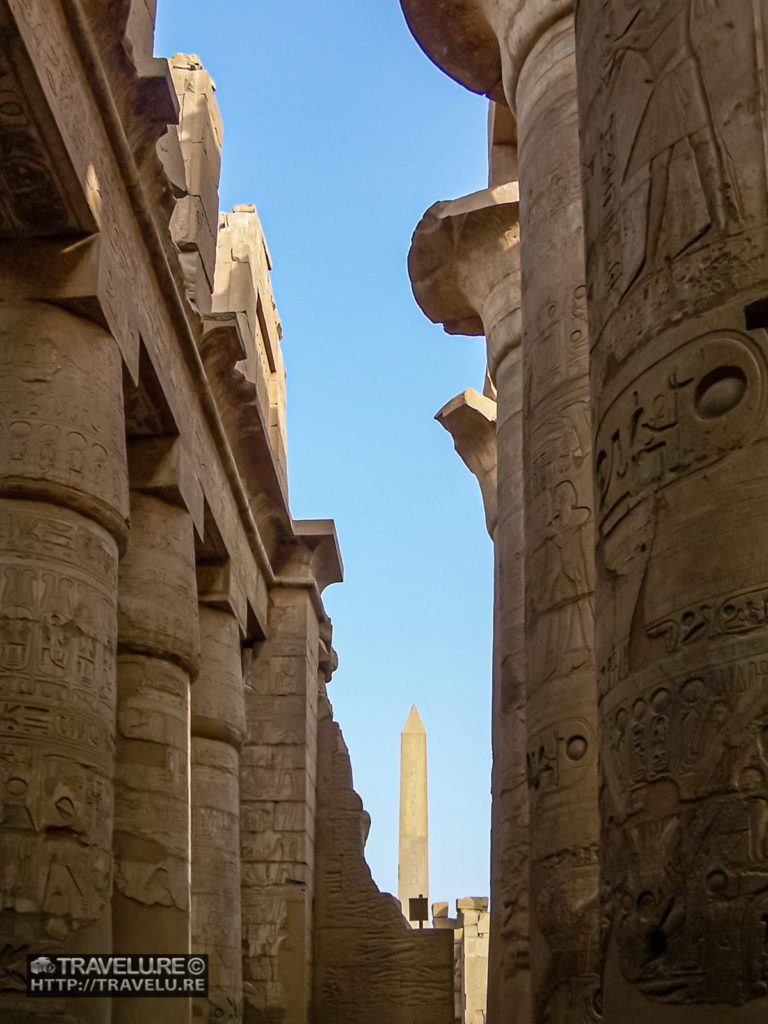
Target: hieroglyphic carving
<point x="677" y="110"/>
<point x="559" y="754"/>
<point x="686" y="770"/>
<point x="58" y="575"/>
<point x="151" y="801"/>
<point x="682" y="414"/>
<point x="54" y="442"/>
<point x="558" y="329"/>
<point x="34" y="195"/>
<point x="559" y="521"/>
<point x="674" y="161"/>
<point x="217" y="726"/>
<point x="216" y="914"/>
<point x="158" y="592"/>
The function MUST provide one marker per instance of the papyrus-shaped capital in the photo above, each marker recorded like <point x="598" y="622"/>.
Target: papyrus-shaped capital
<point x="464" y="266"/>
<point x="482" y="44"/>
<point x="470" y="419"/>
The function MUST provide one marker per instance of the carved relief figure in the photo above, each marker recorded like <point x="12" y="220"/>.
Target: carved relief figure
<point x="677" y="109"/>
<point x="566" y="582"/>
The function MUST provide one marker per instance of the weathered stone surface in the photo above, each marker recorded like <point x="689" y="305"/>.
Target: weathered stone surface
<point x="63" y="512"/>
<point x="242" y="285"/>
<point x="216" y="914"/>
<point x="278" y="771"/>
<point x="106" y="264"/>
<point x="158" y="644"/>
<point x="472" y="941"/>
<point x="675" y="199"/>
<point x="369" y="965"/>
<point x="559" y="570"/>
<point x="158" y="597"/>
<point x="61" y="414"/>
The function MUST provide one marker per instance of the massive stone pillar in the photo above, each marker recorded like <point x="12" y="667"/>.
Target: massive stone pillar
<point x="63" y="514"/>
<point x="673" y="101"/>
<point x="158" y="643"/>
<point x="413" y="850"/>
<point x="559" y="566"/>
<point x="464" y="266"/>
<point x="278" y="792"/>
<point x="218" y="722"/>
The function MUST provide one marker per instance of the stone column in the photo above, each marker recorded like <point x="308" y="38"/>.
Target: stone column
<point x="159" y="644"/>
<point x="278" y="797"/>
<point x="464" y="267"/>
<point x="218" y="721"/>
<point x="559" y="565"/>
<point x="472" y="913"/>
<point x="63" y="515"/>
<point x="673" y="101"/>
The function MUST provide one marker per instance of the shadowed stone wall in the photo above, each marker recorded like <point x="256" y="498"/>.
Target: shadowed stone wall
<point x="369" y="964"/>
<point x="163" y="638"/>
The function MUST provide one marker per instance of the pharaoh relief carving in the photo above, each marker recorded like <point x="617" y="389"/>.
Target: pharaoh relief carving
<point x="675" y="154"/>
<point x="562" y="582"/>
<point x="677" y="111"/>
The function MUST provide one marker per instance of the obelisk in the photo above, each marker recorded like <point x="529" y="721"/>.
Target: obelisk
<point x="413" y="862"/>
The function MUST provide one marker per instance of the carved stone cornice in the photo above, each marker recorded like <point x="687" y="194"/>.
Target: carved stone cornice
<point x="464" y="267"/>
<point x="238" y="404"/>
<point x="40" y="191"/>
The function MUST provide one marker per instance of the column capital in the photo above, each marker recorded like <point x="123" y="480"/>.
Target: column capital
<point x="317" y="554"/>
<point x="470" y="419"/>
<point x="482" y="44"/>
<point x="464" y="266"/>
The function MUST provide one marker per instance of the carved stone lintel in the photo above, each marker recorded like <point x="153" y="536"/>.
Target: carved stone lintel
<point x="161" y="466"/>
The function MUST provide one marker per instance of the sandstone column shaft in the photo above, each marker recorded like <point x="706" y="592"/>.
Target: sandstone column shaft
<point x="561" y="705"/>
<point x="218" y="720"/>
<point x="158" y="642"/>
<point x="413" y="851"/>
<point x="675" y="200"/>
<point x="63" y="510"/>
<point x="509" y="944"/>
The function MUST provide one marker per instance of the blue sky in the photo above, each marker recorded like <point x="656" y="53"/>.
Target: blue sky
<point x="343" y="133"/>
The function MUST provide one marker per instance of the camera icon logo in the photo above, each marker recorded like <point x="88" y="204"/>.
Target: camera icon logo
<point x="43" y="965"/>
